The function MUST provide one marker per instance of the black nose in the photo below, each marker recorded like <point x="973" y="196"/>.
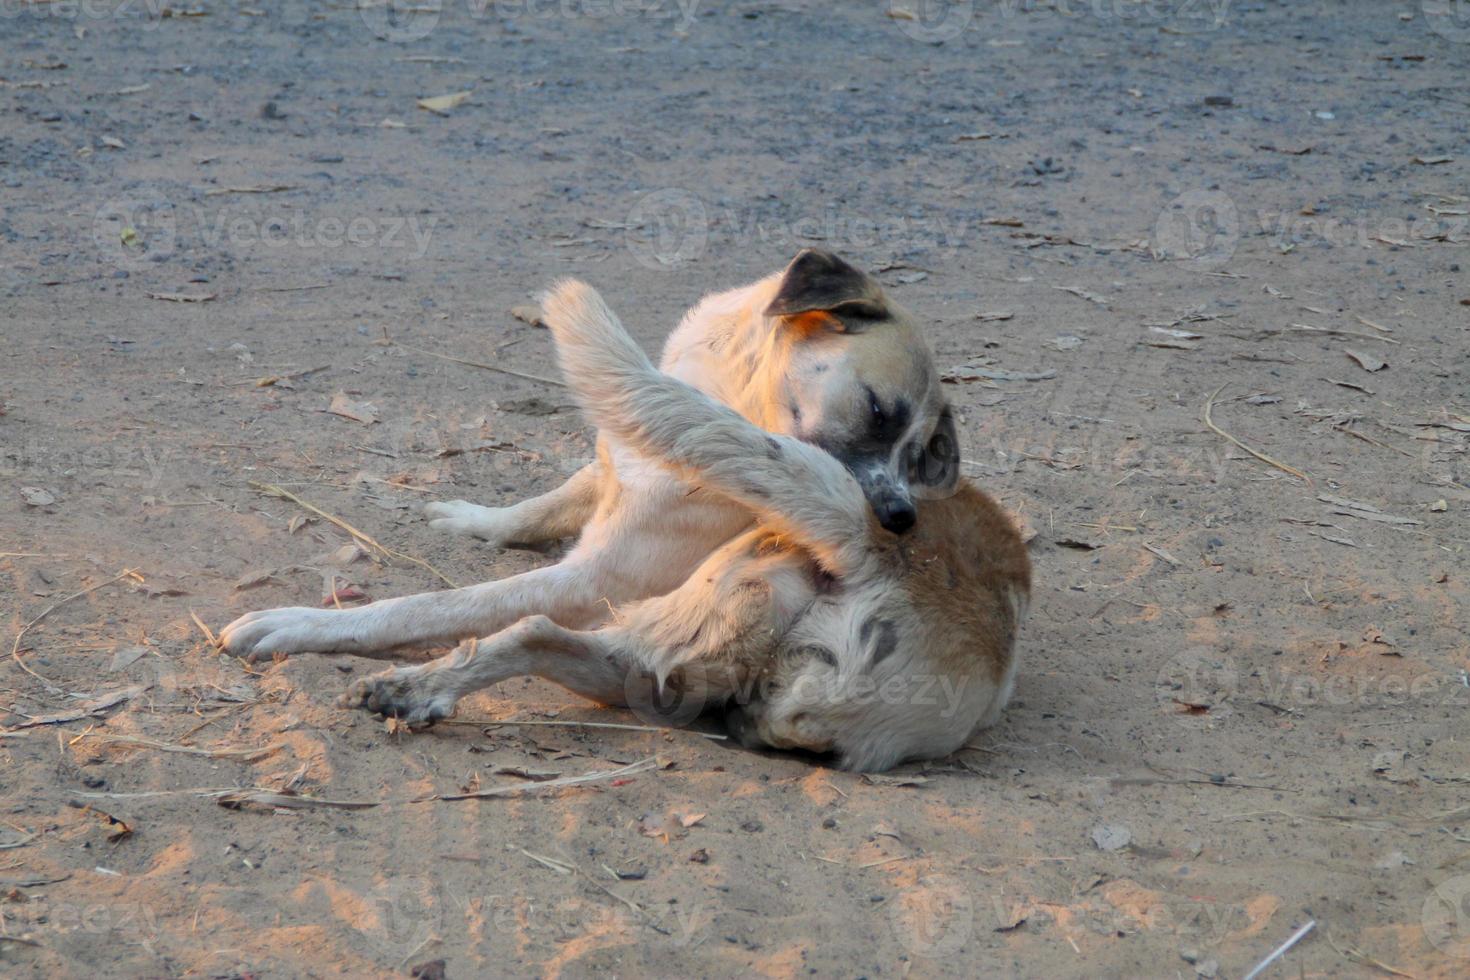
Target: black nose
<point x="896" y="515"/>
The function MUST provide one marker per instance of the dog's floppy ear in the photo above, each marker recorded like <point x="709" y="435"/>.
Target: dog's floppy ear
<point x="818" y="281"/>
<point x="938" y="468"/>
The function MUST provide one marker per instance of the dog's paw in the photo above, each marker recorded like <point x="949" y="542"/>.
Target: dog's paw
<point x="291" y="629"/>
<point x="399" y="693"/>
<point x="464" y="518"/>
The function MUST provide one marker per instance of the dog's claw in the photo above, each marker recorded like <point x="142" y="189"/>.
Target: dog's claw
<point x="464" y="518"/>
<point x="397" y="693"/>
<point x="260" y="635"/>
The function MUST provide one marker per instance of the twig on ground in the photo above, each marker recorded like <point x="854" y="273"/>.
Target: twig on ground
<point x="1281" y="950"/>
<point x="273" y="490"/>
<point x="245" y="754"/>
<point x="1209" y="403"/>
<point x="1358" y="956"/>
<point x="15" y="647"/>
<point x="580" y="724"/>
<point x="487" y="367"/>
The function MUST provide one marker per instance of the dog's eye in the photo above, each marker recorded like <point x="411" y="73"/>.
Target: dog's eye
<point x="879" y="418"/>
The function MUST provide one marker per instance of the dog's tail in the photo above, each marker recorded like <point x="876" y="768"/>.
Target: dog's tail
<point x="795" y="487"/>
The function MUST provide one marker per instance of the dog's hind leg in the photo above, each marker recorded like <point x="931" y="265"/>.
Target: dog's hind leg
<point x="591" y="663"/>
<point x="571" y="593"/>
<point x="561" y="513"/>
<point x="796" y="488"/>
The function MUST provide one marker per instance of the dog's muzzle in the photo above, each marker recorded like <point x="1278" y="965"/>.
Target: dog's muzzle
<point x="895" y="512"/>
<point x="889" y="498"/>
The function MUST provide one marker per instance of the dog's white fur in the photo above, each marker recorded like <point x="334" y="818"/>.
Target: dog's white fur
<point x="788" y="617"/>
<point x="642" y="530"/>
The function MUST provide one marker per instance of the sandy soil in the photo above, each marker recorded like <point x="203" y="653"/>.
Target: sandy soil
<point x="1243" y="699"/>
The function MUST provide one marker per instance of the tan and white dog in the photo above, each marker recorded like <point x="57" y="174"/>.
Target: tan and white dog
<point x="818" y="627"/>
<point x="816" y="352"/>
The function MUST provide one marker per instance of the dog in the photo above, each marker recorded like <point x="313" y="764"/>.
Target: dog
<point x="817" y="352"/>
<point x="818" y="628"/>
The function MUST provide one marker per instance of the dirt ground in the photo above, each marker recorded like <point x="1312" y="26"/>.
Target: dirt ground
<point x="1242" y="701"/>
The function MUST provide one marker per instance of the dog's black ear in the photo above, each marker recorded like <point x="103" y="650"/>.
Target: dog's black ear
<point x="938" y="467"/>
<point x="818" y="281"/>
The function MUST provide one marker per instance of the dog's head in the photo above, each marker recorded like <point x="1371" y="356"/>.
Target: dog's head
<point x="859" y="381"/>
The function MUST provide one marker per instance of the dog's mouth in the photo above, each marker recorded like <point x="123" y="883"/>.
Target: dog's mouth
<point x="890" y="500"/>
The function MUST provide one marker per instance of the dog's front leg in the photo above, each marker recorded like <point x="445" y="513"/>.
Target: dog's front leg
<point x="561" y="513"/>
<point x="594" y="664"/>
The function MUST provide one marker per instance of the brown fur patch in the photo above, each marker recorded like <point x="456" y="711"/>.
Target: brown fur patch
<point x="960" y="564"/>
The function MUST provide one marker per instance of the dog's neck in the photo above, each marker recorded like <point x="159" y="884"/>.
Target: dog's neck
<point x="736" y="355"/>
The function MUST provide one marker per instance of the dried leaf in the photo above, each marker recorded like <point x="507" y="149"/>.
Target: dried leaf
<point x="343" y="595"/>
<point x="363" y="412"/>
<point x="441" y="104"/>
<point x="535" y="775"/>
<point x="125" y="657"/>
<point x="1111" y="837"/>
<point x="1078" y="291"/>
<point x="250" y="189"/>
<point x="971" y="372"/>
<point x="37" y="496"/>
<point x="1366" y="361"/>
<point x="890" y="779"/>
<point x="1349" y="384"/>
<point x="183" y="297"/>
<point x="252" y="579"/>
<point x="92" y="707"/>
<point x="1178" y="334"/>
<point x="690" y="819"/>
<point x="1424" y="161"/>
<point x="990" y="317"/>
<point x="528" y="314"/>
